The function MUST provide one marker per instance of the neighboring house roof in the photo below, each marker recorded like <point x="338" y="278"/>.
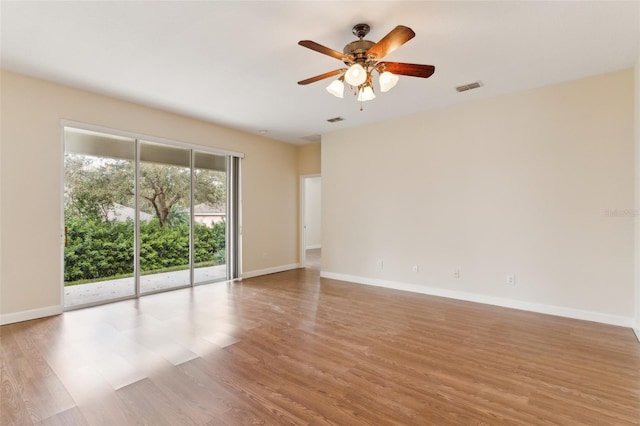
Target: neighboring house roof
<point x="206" y="209"/>
<point x="122" y="213"/>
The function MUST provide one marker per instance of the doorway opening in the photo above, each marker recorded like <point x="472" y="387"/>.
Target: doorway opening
<point x="311" y="221"/>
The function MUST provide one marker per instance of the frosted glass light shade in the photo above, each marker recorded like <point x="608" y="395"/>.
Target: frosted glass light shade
<point x="387" y="81"/>
<point x="366" y="94"/>
<point x="336" y="88"/>
<point x="355" y="75"/>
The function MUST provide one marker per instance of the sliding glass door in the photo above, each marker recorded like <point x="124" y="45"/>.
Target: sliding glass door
<point x="209" y="217"/>
<point x="99" y="217"/>
<point x="143" y="217"/>
<point x="164" y="204"/>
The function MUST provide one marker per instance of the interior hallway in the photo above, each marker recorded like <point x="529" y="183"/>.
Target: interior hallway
<point x="313" y="259"/>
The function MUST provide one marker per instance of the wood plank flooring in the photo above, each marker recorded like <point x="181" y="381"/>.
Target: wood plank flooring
<point x="292" y="348"/>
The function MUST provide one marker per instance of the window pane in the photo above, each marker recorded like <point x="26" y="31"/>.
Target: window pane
<point x="164" y="202"/>
<point x="210" y="207"/>
<point x="99" y="218"/>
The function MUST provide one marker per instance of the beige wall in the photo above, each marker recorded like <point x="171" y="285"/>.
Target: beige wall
<point x="637" y="205"/>
<point x="530" y="184"/>
<point x="309" y="159"/>
<point x="31" y="179"/>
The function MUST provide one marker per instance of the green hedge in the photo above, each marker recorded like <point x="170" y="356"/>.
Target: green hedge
<point x="99" y="249"/>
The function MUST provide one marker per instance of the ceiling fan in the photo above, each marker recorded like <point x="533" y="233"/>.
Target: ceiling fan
<point x="362" y="58"/>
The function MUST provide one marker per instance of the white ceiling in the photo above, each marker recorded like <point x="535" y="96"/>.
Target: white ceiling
<point x="236" y="63"/>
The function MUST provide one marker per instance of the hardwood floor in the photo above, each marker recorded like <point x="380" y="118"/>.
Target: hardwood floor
<point x="292" y="348"/>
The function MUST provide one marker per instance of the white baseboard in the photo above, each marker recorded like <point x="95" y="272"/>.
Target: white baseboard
<point x="268" y="271"/>
<point x="313" y="246"/>
<point x="488" y="300"/>
<point x="637" y="331"/>
<point x="30" y="314"/>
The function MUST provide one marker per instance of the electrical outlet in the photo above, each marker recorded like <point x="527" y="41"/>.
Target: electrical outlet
<point x="380" y="264"/>
<point x="415" y="268"/>
<point x="456" y="273"/>
<point x="511" y="279"/>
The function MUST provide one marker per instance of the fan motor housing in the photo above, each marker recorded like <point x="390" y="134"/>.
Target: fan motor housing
<point x="358" y="50"/>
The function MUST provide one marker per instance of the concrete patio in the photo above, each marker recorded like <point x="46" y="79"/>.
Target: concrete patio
<point x="83" y="294"/>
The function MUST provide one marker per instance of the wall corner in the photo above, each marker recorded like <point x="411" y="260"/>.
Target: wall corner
<point x="637" y="191"/>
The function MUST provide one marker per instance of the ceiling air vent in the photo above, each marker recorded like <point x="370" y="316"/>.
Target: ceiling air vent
<point x="312" y="138"/>
<point x="469" y="86"/>
<point x="335" y="119"/>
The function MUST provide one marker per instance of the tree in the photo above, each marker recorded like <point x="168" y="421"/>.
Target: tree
<point x="210" y="187"/>
<point x="166" y="188"/>
<point x="99" y="247"/>
<point x="163" y="187"/>
<point x="177" y="216"/>
<point x="93" y="186"/>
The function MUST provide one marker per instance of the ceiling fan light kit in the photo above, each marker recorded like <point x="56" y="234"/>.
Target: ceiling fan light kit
<point x="336" y="88"/>
<point x="387" y="81"/>
<point x="355" y="75"/>
<point x="366" y="94"/>
<point x="362" y="58"/>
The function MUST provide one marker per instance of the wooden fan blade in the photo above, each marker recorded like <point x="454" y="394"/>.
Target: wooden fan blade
<point x="322" y="49"/>
<point x="413" y="70"/>
<point x="322" y="76"/>
<point x="396" y="38"/>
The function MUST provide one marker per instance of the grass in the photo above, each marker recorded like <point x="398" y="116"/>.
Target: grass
<point x="129" y="275"/>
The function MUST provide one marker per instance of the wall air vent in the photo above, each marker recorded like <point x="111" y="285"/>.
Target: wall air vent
<point x="469" y="86"/>
<point x="335" y="119"/>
